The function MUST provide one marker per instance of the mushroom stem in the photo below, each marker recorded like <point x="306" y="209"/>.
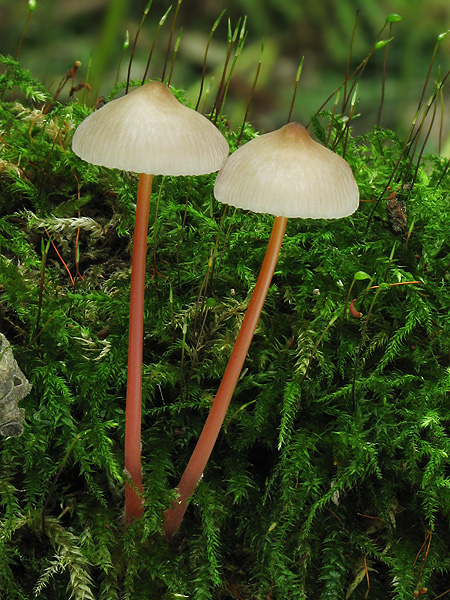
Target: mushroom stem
<point x="133" y="493"/>
<point x="202" y="451"/>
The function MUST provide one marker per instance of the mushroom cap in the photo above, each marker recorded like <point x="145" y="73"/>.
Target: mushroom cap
<point x="150" y="131"/>
<point x="286" y="173"/>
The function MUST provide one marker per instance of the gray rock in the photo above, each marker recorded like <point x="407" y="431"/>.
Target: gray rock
<point x="13" y="387"/>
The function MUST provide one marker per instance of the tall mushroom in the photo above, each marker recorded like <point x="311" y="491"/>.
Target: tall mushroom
<point x="287" y="174"/>
<point x="149" y="132"/>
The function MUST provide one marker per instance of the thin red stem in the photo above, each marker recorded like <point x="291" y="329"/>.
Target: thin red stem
<point x="133" y="497"/>
<point x="193" y="472"/>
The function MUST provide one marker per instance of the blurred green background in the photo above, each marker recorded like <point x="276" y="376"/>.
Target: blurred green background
<point x="62" y="31"/>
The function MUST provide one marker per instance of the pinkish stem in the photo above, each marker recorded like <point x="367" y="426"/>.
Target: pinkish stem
<point x="133" y="498"/>
<point x="193" y="472"/>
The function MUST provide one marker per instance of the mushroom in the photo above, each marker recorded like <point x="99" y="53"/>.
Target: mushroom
<point x="287" y="174"/>
<point x="149" y="132"/>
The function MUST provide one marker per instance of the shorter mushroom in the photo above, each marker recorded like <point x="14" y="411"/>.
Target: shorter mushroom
<point x="149" y="132"/>
<point x="287" y="174"/>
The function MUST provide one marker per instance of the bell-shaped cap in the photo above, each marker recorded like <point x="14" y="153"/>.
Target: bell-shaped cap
<point x="286" y="173"/>
<point x="150" y="131"/>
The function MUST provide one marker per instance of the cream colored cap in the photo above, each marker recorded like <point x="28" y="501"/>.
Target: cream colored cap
<point x="286" y="173"/>
<point x="149" y="131"/>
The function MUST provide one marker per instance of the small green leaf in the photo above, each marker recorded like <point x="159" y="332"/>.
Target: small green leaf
<point x="443" y="35"/>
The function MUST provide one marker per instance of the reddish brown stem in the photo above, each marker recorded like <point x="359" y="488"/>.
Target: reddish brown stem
<point x="193" y="472"/>
<point x="133" y="493"/>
